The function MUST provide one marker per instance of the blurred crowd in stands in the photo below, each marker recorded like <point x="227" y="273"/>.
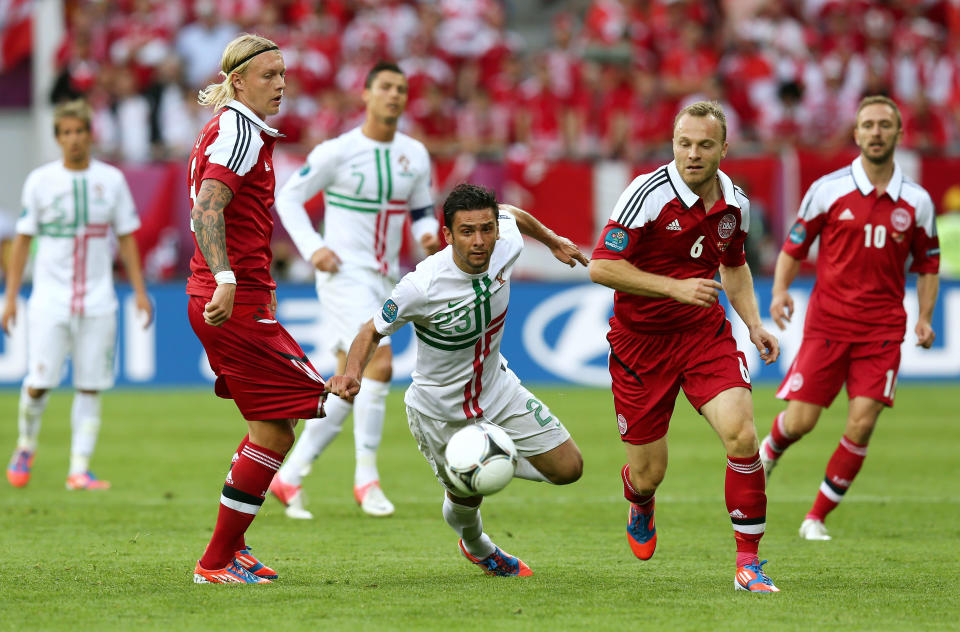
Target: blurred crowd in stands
<point x="607" y="85"/>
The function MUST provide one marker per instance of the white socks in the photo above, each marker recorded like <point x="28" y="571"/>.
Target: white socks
<point x="467" y="523"/>
<point x="29" y="414"/>
<point x="525" y="470"/>
<point x="85" y="421"/>
<point x="316" y="436"/>
<point x="370" y="407"/>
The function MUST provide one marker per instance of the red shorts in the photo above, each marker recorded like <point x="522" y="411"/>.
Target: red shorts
<point x="258" y="364"/>
<point x="649" y="370"/>
<point x="822" y="366"/>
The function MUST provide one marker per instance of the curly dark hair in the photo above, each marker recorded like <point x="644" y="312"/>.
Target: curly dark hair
<point x="468" y="197"/>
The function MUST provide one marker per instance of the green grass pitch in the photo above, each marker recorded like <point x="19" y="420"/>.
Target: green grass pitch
<point x="122" y="559"/>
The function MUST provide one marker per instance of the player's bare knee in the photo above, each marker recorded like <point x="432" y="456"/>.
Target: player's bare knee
<point x="568" y="471"/>
<point x="741" y="440"/>
<point x="860" y="429"/>
<point x="36" y="393"/>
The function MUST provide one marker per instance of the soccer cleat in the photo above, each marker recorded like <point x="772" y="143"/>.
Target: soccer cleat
<point x="232" y="573"/>
<point x="372" y="500"/>
<point x="18" y="472"/>
<point x="751" y="578"/>
<point x="766" y="447"/>
<point x="811" y="529"/>
<point x="86" y="480"/>
<point x="292" y="497"/>
<point x="251" y="564"/>
<point x="641" y="532"/>
<point x="499" y="563"/>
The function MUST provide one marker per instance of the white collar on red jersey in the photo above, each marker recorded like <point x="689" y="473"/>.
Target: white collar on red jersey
<point x="866" y="187"/>
<point x="256" y="120"/>
<point x="688" y="198"/>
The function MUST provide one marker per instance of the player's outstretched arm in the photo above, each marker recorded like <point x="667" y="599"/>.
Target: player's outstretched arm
<point x="347" y="386"/>
<point x="738" y="284"/>
<point x="781" y="305"/>
<point x="211" y="232"/>
<point x="130" y="256"/>
<point x="18" y="259"/>
<point x="562" y="248"/>
<point x="928" y="285"/>
<point x="623" y="276"/>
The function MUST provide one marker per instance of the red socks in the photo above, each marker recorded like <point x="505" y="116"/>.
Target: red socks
<point x="243" y="494"/>
<point x="841" y="470"/>
<point x="643" y="502"/>
<point x="746" y="498"/>
<point x="779" y="440"/>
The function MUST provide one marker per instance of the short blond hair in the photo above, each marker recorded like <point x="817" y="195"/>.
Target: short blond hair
<point x="78" y="109"/>
<point x="879" y="99"/>
<point x="705" y="108"/>
<point x="236" y="58"/>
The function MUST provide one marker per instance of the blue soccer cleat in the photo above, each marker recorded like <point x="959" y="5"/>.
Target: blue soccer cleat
<point x="750" y="577"/>
<point x="641" y="532"/>
<point x="246" y="559"/>
<point x="18" y="472"/>
<point x="499" y="563"/>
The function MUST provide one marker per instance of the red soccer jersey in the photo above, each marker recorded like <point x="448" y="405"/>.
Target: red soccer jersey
<point x="864" y="244"/>
<point x="660" y="226"/>
<point x="236" y="148"/>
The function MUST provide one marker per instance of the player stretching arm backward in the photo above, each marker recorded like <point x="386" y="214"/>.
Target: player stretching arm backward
<point x="870" y="219"/>
<point x="457" y="302"/>
<point x="372" y="178"/>
<point x="670" y="232"/>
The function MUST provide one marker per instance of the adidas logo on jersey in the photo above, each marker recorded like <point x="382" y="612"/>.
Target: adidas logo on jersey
<point x="846" y="214"/>
<point x="736" y="513"/>
<point x="674" y="225"/>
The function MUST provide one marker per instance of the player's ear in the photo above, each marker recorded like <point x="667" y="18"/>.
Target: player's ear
<point x="447" y="234"/>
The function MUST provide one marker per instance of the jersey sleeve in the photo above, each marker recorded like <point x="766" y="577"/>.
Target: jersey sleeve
<point x="735" y="255"/>
<point x="29" y="221"/>
<point x="125" y="218"/>
<point x="509" y="232"/>
<point x="925" y="246"/>
<point x="234" y="152"/>
<point x="616" y="241"/>
<point x="407" y="302"/>
<point x="421" y="196"/>
<point x="316" y="174"/>
<point x="810" y="221"/>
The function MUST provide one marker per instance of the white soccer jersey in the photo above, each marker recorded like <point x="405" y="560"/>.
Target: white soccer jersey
<point x="369" y="188"/>
<point x="71" y="214"/>
<point x="459" y="320"/>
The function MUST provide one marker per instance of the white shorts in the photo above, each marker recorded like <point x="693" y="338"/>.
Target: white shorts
<point x="90" y="341"/>
<point x="533" y="432"/>
<point x="348" y="299"/>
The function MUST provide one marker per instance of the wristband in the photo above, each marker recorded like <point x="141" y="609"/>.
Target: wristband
<point x="227" y="276"/>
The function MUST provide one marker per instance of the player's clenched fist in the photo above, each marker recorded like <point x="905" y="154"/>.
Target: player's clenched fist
<point x="343" y="386"/>
<point x="325" y="260"/>
<point x="220" y="307"/>
<point x="696" y="291"/>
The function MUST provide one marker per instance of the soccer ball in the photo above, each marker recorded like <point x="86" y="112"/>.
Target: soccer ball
<point x="480" y="459"/>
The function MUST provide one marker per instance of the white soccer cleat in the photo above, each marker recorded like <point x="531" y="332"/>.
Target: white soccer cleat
<point x="812" y="529"/>
<point x="295" y="508"/>
<point x="767" y="462"/>
<point x="372" y="500"/>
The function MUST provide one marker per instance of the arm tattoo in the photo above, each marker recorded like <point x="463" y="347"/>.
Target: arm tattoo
<point x="208" y="224"/>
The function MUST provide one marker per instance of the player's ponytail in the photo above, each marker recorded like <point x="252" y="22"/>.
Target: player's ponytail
<point x="236" y="58"/>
